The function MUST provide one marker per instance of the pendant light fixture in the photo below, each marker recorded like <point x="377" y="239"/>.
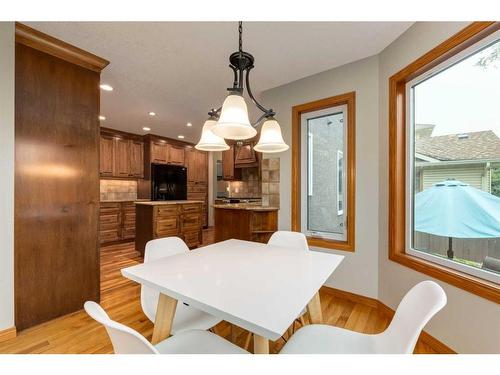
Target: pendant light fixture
<point x="209" y="141"/>
<point x="232" y="118"/>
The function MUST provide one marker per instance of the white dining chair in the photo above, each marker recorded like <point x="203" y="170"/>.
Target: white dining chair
<point x="290" y="240"/>
<point x="294" y="241"/>
<point x="186" y="317"/>
<point x="125" y="340"/>
<point x="418" y="306"/>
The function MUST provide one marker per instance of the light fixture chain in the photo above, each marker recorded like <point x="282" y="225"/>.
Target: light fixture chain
<point x="240" y="31"/>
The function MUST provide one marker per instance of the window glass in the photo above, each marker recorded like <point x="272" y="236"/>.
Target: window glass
<point x="325" y="173"/>
<point x="455" y="189"/>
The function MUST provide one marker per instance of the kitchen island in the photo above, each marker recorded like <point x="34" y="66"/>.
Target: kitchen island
<point x="245" y="222"/>
<point x="157" y="219"/>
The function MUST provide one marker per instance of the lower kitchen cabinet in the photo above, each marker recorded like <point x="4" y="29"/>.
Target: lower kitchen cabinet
<point x="158" y="220"/>
<point x="116" y="222"/>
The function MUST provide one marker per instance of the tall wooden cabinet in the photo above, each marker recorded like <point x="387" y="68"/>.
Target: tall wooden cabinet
<point x="197" y="178"/>
<point x="56" y="177"/>
<point x="229" y="170"/>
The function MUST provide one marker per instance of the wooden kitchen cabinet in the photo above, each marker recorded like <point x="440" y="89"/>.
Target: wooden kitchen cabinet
<point x="190" y="158"/>
<point x="175" y="155"/>
<point x="106" y="156"/>
<point x="197" y="166"/>
<point x="116" y="221"/>
<point x="197" y="176"/>
<point x="229" y="171"/>
<point x="159" y="151"/>
<point x="121" y="157"/>
<point x="164" y="219"/>
<point x="136" y="159"/>
<point x="245" y="155"/>
<point x="201" y="167"/>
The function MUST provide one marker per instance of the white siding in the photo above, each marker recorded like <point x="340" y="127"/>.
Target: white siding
<point x="474" y="176"/>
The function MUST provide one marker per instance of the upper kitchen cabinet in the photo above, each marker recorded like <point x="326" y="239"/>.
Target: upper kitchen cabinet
<point x="159" y="151"/>
<point x="106" y="156"/>
<point x="175" y="154"/>
<point x="197" y="166"/>
<point x="245" y="155"/>
<point x="229" y="172"/>
<point x="121" y="156"/>
<point x="137" y="159"/>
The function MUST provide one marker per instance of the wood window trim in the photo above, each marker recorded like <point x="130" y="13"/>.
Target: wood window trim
<point x="397" y="162"/>
<point x="348" y="99"/>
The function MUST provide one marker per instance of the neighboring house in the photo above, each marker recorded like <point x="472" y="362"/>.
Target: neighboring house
<point x="468" y="157"/>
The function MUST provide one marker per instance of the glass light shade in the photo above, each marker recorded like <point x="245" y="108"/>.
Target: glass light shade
<point x="209" y="141"/>
<point x="271" y="139"/>
<point x="233" y="122"/>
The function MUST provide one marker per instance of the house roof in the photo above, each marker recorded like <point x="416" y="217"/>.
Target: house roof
<point x="469" y="146"/>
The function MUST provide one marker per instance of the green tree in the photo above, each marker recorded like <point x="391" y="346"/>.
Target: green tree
<point x="495" y="181"/>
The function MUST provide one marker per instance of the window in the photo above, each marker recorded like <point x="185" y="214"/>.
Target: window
<point x="340" y="182"/>
<point x="323" y="198"/>
<point x="444" y="153"/>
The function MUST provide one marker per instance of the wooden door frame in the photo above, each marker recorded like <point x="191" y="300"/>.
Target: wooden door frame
<point x="348" y="99"/>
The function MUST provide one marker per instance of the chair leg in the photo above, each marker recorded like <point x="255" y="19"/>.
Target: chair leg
<point x="247" y="340"/>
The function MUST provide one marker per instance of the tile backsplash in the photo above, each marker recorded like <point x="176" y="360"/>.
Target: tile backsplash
<point x="248" y="187"/>
<point x="271" y="182"/>
<point x="118" y="190"/>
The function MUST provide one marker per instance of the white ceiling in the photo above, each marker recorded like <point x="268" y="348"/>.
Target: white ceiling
<point x="180" y="69"/>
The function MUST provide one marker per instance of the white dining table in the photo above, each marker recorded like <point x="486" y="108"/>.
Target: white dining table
<point x="258" y="287"/>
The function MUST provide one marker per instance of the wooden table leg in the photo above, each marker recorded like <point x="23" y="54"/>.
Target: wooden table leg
<point x="234" y="334"/>
<point x="314" y="308"/>
<point x="164" y="317"/>
<point x="260" y="345"/>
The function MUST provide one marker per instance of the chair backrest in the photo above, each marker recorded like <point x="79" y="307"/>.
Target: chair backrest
<point x="416" y="308"/>
<point x="156" y="249"/>
<point x="292" y="240"/>
<point x="125" y="340"/>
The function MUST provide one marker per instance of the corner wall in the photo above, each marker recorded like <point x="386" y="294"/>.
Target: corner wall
<point x="358" y="273"/>
<point x="7" y="65"/>
<point x="468" y="324"/>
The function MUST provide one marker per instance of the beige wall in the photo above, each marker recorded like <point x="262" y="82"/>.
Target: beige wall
<point x="358" y="273"/>
<point x="7" y="168"/>
<point x="469" y="324"/>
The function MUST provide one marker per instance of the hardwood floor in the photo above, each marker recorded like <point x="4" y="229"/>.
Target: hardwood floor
<point x="77" y="333"/>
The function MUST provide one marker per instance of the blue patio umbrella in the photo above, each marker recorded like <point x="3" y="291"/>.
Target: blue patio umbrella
<point x="456" y="210"/>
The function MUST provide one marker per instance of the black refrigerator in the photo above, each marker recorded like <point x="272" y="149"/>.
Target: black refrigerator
<point x="168" y="182"/>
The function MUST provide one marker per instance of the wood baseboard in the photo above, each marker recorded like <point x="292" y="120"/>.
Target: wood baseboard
<point x="8" y="334"/>
<point x="368" y="301"/>
<point x="426" y="338"/>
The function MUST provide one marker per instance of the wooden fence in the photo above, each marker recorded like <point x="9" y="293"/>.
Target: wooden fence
<point x="473" y="249"/>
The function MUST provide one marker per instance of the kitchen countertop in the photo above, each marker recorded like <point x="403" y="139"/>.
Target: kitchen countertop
<point x="124" y="200"/>
<point x="245" y="206"/>
<point x="162" y="203"/>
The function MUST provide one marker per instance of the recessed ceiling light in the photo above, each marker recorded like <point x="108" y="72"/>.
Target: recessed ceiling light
<point x="152" y="114"/>
<point x="180" y="136"/>
<point x="106" y="87"/>
<point x="189" y="124"/>
<point x="102" y="118"/>
<point x="146" y="129"/>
